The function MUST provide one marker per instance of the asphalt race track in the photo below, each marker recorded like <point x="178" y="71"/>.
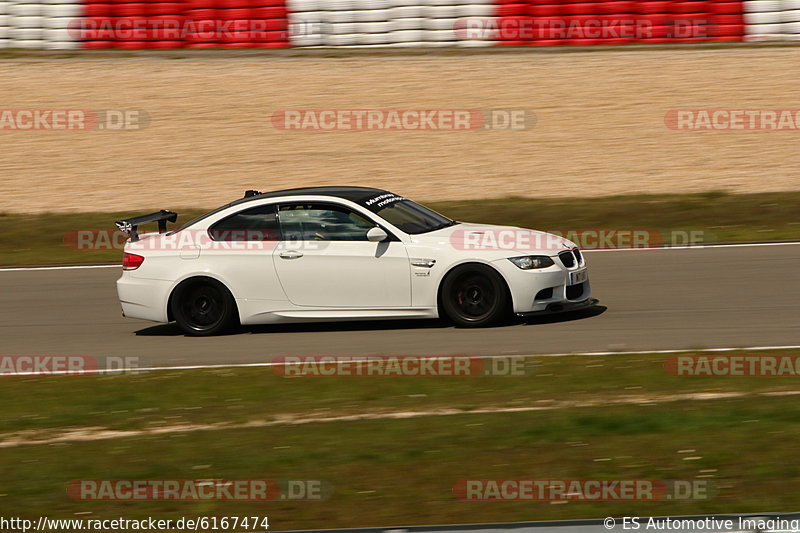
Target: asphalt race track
<point x="650" y="300"/>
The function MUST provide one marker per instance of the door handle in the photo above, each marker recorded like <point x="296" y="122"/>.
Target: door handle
<point x="291" y="254"/>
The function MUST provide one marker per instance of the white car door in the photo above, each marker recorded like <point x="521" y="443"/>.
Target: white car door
<point x="325" y="259"/>
<point x="240" y="252"/>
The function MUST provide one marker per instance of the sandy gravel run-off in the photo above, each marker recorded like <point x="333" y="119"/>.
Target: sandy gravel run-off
<point x="600" y="127"/>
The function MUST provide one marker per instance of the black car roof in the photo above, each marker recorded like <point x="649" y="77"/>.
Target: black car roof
<point x="354" y="194"/>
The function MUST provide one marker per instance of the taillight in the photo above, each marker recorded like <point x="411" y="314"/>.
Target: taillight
<point x="131" y="261"/>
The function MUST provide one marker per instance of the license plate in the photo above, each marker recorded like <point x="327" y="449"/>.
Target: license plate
<point x="579" y="276"/>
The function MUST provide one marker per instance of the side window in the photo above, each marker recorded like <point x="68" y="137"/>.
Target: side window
<point x="254" y="224"/>
<point x="322" y="222"/>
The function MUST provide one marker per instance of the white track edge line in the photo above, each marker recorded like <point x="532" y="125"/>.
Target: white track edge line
<point x="72" y="267"/>
<point x="696" y="247"/>
<point x="271" y="364"/>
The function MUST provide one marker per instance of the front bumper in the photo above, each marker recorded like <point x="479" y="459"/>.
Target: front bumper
<point x="546" y="290"/>
<point x="562" y="307"/>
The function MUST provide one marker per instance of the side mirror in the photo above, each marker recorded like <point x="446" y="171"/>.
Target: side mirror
<point x="376" y="234"/>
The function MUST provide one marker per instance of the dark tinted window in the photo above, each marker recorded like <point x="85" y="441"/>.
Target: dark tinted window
<point x="412" y="217"/>
<point x="255" y="224"/>
<point x="322" y="222"/>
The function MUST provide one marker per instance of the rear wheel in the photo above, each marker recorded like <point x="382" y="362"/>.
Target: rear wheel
<point x="475" y="296"/>
<point x="203" y="307"/>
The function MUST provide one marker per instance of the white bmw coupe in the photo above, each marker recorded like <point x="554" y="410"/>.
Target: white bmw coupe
<point x="341" y="253"/>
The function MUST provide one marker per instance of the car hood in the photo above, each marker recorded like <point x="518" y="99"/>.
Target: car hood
<point x="492" y="239"/>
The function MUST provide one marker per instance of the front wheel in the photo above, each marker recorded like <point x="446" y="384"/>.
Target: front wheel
<point x="475" y="296"/>
<point x="203" y="308"/>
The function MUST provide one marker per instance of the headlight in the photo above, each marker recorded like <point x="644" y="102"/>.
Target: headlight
<point x="530" y="262"/>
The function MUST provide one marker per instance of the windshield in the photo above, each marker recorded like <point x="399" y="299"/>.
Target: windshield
<point x="413" y="218"/>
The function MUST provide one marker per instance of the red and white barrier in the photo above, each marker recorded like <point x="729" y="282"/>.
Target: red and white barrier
<point x="141" y="24"/>
<point x="772" y="20"/>
<point x="549" y="22"/>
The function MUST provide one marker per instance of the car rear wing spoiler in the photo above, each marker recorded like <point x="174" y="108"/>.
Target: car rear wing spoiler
<point x="131" y="225"/>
